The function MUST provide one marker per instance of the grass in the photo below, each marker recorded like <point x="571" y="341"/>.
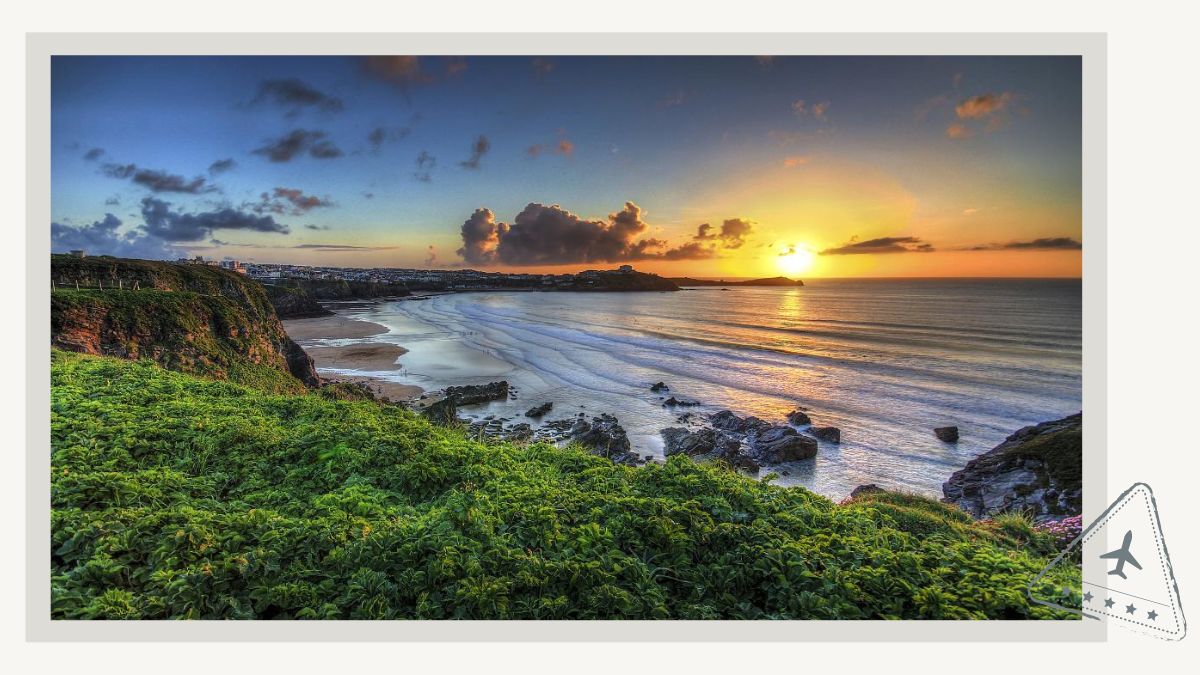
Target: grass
<point x="180" y="497"/>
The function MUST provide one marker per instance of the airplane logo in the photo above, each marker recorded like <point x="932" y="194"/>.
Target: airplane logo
<point x="1122" y="556"/>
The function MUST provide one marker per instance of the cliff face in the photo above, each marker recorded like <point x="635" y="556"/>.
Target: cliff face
<point x="190" y="318"/>
<point x="294" y="303"/>
<point x="1038" y="470"/>
<point x="300" y="298"/>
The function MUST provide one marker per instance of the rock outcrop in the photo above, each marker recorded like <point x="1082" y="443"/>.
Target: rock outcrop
<point x="743" y="442"/>
<point x="438" y="408"/>
<point x="539" y="411"/>
<point x="1037" y="470"/>
<point x="472" y="394"/>
<point x="291" y="302"/>
<point x="605" y="437"/>
<point x="831" y="434"/>
<point x="709" y="444"/>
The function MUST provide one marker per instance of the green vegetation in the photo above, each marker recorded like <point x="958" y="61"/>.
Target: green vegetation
<point x="179" y="497"/>
<point x="194" y="319"/>
<point x="94" y="271"/>
<point x="208" y="335"/>
<point x="1062" y="451"/>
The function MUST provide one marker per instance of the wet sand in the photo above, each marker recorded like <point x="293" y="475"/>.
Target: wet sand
<point x="373" y="356"/>
<point x="330" y="328"/>
<point x="366" y="363"/>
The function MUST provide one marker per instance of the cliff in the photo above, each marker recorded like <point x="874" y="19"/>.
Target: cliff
<point x="190" y="318"/>
<point x="291" y="302"/>
<point x="1037" y="471"/>
<point x="300" y="298"/>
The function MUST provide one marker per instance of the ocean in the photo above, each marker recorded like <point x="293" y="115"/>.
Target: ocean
<point x="884" y="360"/>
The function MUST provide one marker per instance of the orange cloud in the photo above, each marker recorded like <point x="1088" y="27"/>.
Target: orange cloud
<point x="983" y="105"/>
<point x="957" y="130"/>
<point x="794" y="161"/>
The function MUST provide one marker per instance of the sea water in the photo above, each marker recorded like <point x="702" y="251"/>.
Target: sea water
<point x="885" y="361"/>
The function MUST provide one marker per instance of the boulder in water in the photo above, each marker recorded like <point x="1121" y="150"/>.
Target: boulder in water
<point x="799" y="418"/>
<point x="478" y="393"/>
<point x="947" y="434"/>
<point x="831" y="434"/>
<point x="540" y="410"/>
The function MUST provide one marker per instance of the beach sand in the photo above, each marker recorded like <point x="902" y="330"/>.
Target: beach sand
<point x="330" y="328"/>
<point x="374" y="357"/>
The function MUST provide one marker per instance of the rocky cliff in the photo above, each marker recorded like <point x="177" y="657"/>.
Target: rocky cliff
<point x="190" y="318"/>
<point x="301" y="298"/>
<point x="291" y="302"/>
<point x="1037" y="470"/>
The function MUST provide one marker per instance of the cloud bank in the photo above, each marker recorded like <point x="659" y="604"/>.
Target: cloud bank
<point x="881" y="245"/>
<point x="551" y="235"/>
<point x="1041" y="244"/>
<point x="296" y="95"/>
<point x="174" y="226"/>
<point x="297" y="143"/>
<point x="158" y="181"/>
<point x="102" y="237"/>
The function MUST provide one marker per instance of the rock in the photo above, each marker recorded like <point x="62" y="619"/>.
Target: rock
<point x="439" y="409"/>
<point x="678" y="440"/>
<point x="741" y="462"/>
<point x="478" y="393"/>
<point x="831" y="434"/>
<point x="947" y="434"/>
<point x="659" y="386"/>
<point x="728" y="421"/>
<point x="680" y="402"/>
<point x="799" y="418"/>
<point x="1037" y="470"/>
<point x="519" y="432"/>
<point x="604" y="437"/>
<point x="782" y="444"/>
<point x="539" y="410"/>
<point x="867" y="489"/>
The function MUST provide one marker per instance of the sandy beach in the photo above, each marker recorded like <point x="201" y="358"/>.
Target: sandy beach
<point x="368" y="357"/>
<point x="330" y="328"/>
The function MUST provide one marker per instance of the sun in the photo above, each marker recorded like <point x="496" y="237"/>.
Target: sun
<point x="795" y="259"/>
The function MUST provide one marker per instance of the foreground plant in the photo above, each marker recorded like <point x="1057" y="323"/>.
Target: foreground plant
<point x="178" y="497"/>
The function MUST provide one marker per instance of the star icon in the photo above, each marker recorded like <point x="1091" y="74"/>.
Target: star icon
<point x="1108" y="602"/>
<point x="1130" y="609"/>
<point x="1087" y="597"/>
<point x="1152" y="615"/>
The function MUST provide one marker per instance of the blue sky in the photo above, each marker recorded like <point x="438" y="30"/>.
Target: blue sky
<point x="810" y="151"/>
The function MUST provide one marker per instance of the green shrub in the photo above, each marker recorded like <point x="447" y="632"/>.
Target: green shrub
<point x="177" y="497"/>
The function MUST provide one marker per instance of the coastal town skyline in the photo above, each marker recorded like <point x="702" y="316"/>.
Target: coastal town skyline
<point x="681" y="166"/>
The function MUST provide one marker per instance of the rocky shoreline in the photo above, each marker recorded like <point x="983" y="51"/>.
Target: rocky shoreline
<point x="1035" y="471"/>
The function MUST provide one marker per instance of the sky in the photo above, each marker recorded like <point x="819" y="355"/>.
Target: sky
<point x="731" y="166"/>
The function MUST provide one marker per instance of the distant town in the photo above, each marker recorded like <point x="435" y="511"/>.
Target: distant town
<point x="623" y="278"/>
<point x="423" y="279"/>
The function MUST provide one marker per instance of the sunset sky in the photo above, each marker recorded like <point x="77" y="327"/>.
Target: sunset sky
<point x="702" y="166"/>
